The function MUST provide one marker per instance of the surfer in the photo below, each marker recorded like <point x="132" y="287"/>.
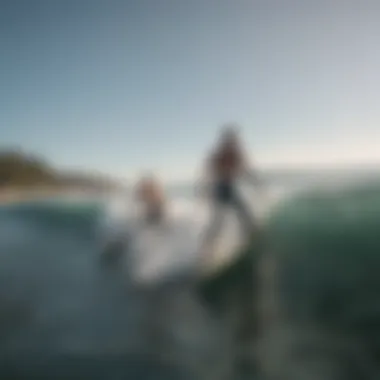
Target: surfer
<point x="233" y="289"/>
<point x="226" y="164"/>
<point x="151" y="194"/>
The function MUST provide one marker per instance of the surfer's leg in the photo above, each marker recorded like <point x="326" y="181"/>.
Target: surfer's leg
<point x="155" y="215"/>
<point x="246" y="330"/>
<point x="246" y="218"/>
<point x="215" y="225"/>
<point x="220" y="199"/>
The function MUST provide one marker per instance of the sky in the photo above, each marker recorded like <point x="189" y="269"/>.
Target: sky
<point x="123" y="86"/>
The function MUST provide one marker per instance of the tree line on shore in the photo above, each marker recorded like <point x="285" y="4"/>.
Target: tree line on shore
<point x="23" y="170"/>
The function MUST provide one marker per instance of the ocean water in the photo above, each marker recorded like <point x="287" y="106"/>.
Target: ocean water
<point x="58" y="300"/>
<point x="56" y="297"/>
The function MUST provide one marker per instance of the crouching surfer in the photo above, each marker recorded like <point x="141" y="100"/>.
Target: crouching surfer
<point x="150" y="195"/>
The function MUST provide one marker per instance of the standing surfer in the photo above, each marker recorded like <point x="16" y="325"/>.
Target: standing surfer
<point x="226" y="164"/>
<point x="233" y="290"/>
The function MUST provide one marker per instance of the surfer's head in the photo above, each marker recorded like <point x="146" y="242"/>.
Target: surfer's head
<point x="148" y="180"/>
<point x="150" y="190"/>
<point x="229" y="136"/>
<point x="147" y="176"/>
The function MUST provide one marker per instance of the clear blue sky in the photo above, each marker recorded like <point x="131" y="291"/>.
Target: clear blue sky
<point x="121" y="85"/>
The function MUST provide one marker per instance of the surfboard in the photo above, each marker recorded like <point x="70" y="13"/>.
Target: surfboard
<point x="231" y="241"/>
<point x="175" y="244"/>
<point x="160" y="250"/>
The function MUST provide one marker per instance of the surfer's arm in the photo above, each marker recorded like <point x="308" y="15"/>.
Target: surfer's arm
<point x="201" y="187"/>
<point x="252" y="176"/>
<point x="250" y="173"/>
<point x="204" y="181"/>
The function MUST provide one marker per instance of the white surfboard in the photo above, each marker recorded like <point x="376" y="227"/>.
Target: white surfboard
<point x="159" y="250"/>
<point x="231" y="240"/>
<point x="176" y="244"/>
